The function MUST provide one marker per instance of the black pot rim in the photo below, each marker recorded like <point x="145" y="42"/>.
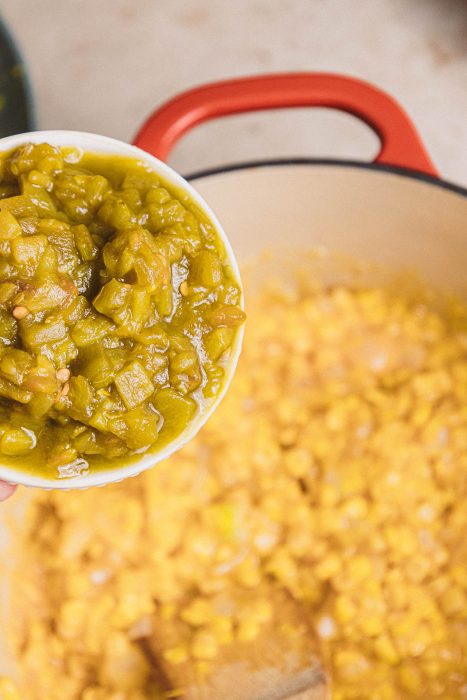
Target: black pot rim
<point x="391" y="169"/>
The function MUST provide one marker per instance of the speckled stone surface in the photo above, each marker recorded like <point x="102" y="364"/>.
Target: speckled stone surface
<point x="103" y="65"/>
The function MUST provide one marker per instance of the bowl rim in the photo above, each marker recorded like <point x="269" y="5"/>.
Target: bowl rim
<point x="98" y="143"/>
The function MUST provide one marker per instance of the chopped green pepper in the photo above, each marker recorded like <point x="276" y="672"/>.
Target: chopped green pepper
<point x="117" y="310"/>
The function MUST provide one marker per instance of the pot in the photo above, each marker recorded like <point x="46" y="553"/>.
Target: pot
<point x="395" y="211"/>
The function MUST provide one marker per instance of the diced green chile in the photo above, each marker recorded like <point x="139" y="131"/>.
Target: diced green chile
<point x="117" y="310"/>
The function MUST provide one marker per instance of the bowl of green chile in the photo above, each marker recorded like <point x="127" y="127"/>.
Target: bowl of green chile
<point x="121" y="310"/>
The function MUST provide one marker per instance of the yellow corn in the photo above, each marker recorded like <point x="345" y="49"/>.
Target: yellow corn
<point x="454" y="602"/>
<point x="335" y="469"/>
<point x="359" y="568"/>
<point x="247" y="631"/>
<point x="204" y="646"/>
<point x="198" y="612"/>
<point x="371" y="625"/>
<point x="385" y="650"/>
<point x="410" y="679"/>
<point x="222" y="628"/>
<point x="328" y="567"/>
<point x="344" y="609"/>
<point x="8" y="690"/>
<point x="176" y="655"/>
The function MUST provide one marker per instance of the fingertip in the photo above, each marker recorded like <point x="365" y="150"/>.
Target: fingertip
<point x="6" y="490"/>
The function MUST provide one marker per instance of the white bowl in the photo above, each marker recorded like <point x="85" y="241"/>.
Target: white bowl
<point x="102" y="144"/>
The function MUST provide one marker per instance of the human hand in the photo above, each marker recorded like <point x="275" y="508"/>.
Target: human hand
<point x="6" y="490"/>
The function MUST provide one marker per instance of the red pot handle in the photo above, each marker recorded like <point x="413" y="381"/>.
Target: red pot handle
<point x="400" y="143"/>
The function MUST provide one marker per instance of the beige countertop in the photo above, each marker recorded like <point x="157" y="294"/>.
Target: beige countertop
<point x="103" y="65"/>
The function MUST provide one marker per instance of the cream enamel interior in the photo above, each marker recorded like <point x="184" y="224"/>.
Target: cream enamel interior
<point x="389" y="218"/>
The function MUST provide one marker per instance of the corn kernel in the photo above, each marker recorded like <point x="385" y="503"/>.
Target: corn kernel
<point x="248" y="573"/>
<point x="198" y="612"/>
<point x="93" y="693"/>
<point x="454" y="602"/>
<point x="410" y="679"/>
<point x="371" y="625"/>
<point x="283" y="567"/>
<point x="204" y="646"/>
<point x="8" y="690"/>
<point x="352" y="480"/>
<point x="356" y="508"/>
<point x="402" y="540"/>
<point x="248" y="630"/>
<point x="222" y="628"/>
<point x="72" y="618"/>
<point x="168" y="611"/>
<point x="298" y="462"/>
<point x="176" y="655"/>
<point x="359" y="568"/>
<point x="174" y="693"/>
<point x="328" y="567"/>
<point x="459" y="574"/>
<point x="329" y="495"/>
<point x="385" y="649"/>
<point x="344" y="609"/>
<point x="259" y="611"/>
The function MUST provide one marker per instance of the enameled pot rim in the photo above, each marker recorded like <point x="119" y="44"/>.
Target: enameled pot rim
<point x="331" y="162"/>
